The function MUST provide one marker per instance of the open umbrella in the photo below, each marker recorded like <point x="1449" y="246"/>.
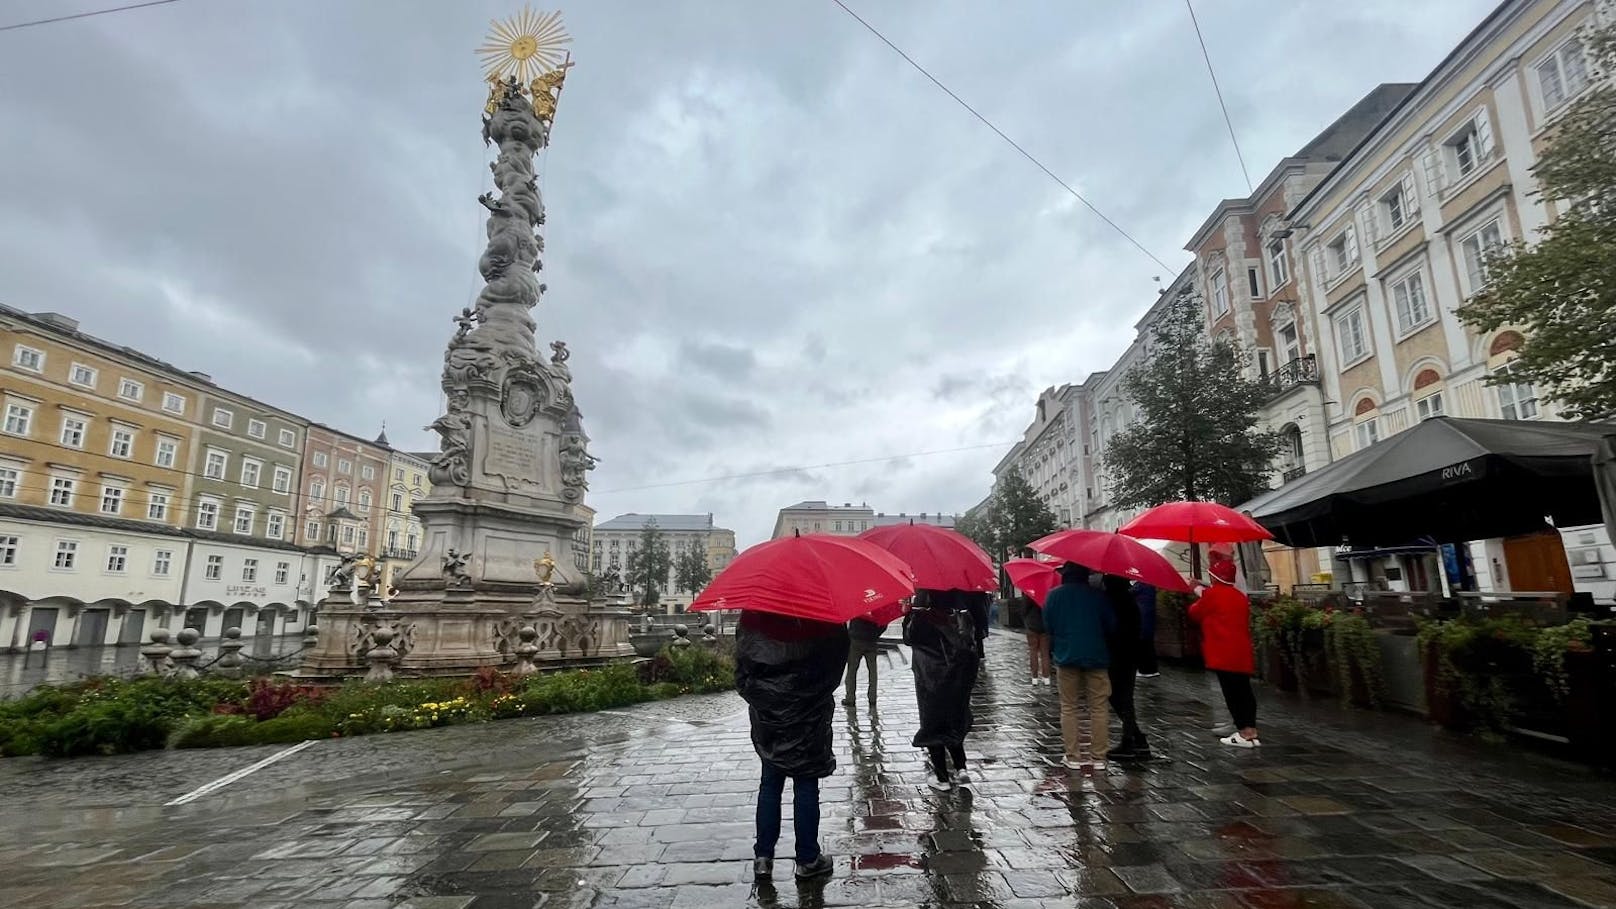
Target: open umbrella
<point x="940" y="558"/>
<point x="885" y="615"/>
<point x="1112" y="553"/>
<point x="816" y="576"/>
<point x="1195" y="522"/>
<point x="1032" y="577"/>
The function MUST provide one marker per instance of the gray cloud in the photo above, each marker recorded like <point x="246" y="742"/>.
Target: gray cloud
<point x="770" y="242"/>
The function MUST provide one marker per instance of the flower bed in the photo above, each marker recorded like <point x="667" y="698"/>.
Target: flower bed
<point x="1499" y="673"/>
<point x="115" y="716"/>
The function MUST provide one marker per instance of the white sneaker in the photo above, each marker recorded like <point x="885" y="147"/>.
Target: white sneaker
<point x="1239" y="741"/>
<point x="1148" y="675"/>
<point x="1097" y="766"/>
<point x="1048" y="681"/>
<point x="1070" y="764"/>
<point x="940" y="785"/>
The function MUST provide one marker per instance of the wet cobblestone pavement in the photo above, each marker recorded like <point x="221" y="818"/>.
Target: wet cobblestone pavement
<point x="652" y="807"/>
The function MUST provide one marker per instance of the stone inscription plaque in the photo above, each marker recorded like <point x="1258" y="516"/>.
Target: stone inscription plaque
<point x="512" y="453"/>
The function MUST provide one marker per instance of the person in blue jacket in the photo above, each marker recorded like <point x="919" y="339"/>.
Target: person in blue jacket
<point x="1080" y="620"/>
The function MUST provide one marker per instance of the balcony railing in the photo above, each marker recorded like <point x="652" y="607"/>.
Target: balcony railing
<point x="1295" y="473"/>
<point x="398" y="552"/>
<point x="1300" y="371"/>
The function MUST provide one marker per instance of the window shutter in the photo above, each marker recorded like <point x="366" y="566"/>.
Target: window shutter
<point x="1432" y="163"/>
<point x="1411" y="201"/>
<point x="1318" y="264"/>
<point x="1369" y="215"/>
<point x="1352" y="244"/>
<point x="1484" y="135"/>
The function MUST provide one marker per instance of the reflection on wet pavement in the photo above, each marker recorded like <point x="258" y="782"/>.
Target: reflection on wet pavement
<point x="1336" y="810"/>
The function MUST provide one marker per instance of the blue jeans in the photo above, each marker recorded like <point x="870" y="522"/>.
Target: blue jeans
<point x="804" y="809"/>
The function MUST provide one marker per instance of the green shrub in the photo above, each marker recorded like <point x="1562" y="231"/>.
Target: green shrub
<point x="212" y="731"/>
<point x="584" y="689"/>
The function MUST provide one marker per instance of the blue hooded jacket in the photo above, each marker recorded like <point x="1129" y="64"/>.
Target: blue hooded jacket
<point x="1079" y="619"/>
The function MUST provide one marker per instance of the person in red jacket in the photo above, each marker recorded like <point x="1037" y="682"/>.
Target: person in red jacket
<point x="1224" y="614"/>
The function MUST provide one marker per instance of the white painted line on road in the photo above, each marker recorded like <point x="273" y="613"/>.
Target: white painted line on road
<point x="229" y="778"/>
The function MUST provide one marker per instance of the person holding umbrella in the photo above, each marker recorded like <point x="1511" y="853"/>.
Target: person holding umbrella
<point x="1144" y="596"/>
<point x="1124" y="664"/>
<point x="943" y="632"/>
<point x="1079" y="621"/>
<point x="1224" y="614"/>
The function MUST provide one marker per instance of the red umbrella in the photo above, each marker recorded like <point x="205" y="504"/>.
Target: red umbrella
<point x="1112" y="554"/>
<point x="941" y="559"/>
<point x="1195" y="522"/>
<point x="887" y="614"/>
<point x="817" y="576"/>
<point x="1032" y="577"/>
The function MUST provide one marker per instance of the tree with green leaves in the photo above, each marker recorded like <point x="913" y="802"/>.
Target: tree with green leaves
<point x="1199" y="436"/>
<point x="1018" y="516"/>
<point x="1562" y="290"/>
<point x="649" y="564"/>
<point x="690" y="568"/>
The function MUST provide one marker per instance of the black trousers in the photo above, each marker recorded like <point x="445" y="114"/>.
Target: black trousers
<point x="1123" y="680"/>
<point x="1238" y="695"/>
<point x="1147" y="657"/>
<point x="939" y="759"/>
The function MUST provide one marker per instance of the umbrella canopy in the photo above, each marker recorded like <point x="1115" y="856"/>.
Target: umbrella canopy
<point x="817" y="576"/>
<point x="1195" y="522"/>
<point x="1446" y="479"/>
<point x="1032" y="577"/>
<point x="940" y="558"/>
<point x="885" y="615"/>
<point x="1112" y="553"/>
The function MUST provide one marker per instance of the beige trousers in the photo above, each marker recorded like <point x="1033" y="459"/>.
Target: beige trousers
<point x="1083" y="694"/>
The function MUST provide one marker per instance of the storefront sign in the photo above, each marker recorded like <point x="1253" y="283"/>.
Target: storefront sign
<point x="244" y="592"/>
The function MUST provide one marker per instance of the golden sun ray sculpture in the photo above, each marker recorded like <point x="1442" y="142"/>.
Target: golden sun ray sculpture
<point x="526" y="45"/>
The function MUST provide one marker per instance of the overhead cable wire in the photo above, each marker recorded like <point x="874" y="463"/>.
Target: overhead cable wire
<point x="1250" y="187"/>
<point x="1001" y="134"/>
<point x="85" y="15"/>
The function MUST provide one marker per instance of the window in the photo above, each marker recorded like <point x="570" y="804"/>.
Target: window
<point x="283" y="570"/>
<point x="111" y="499"/>
<point x="162" y="562"/>
<point x="28" y="358"/>
<point x="398" y="501"/>
<point x="1352" y="335"/>
<point x="207" y="514"/>
<point x="283" y="480"/>
<point x="312" y="530"/>
<point x="392" y="540"/>
<point x="288" y="438"/>
<point x="1342" y="252"/>
<point x="244" y="518"/>
<point x="1476" y="248"/>
<point x="250" y="472"/>
<point x="157" y="506"/>
<point x="415" y="479"/>
<point x="320" y="459"/>
<point x="364" y="500"/>
<point x="82" y="375"/>
<point x="1289" y="347"/>
<point x="62" y="489"/>
<point x="317" y="491"/>
<point x="216" y="463"/>
<point x="173" y="403"/>
<point x="1429" y="406"/>
<point x="275" y="526"/>
<point x="8" y="482"/>
<point x="1254" y="283"/>
<point x="167" y="452"/>
<point x="367" y="472"/>
<point x="1563" y="75"/>
<point x="410" y="543"/>
<point x="1367" y="433"/>
<point x="117" y="558"/>
<point x="342" y="496"/>
<point x="214" y="569"/>
<point x="398" y="475"/>
<point x="1264" y="365"/>
<point x="130" y="390"/>
<point x="123" y="442"/>
<point x="73" y="432"/>
<point x="222" y="418"/>
<point x="1220" y="293"/>
<point x="1408" y="297"/>
<point x="8" y="550"/>
<point x="344" y="466"/>
<point x="364" y="537"/>
<point x="1517" y="400"/>
<point x="19" y="419"/>
<point x="257" y="429"/>
<point x="348" y="535"/>
<point x="1397" y="207"/>
<point x="249" y="570"/>
<point x="67" y="553"/>
<point x="1471" y="146"/>
<point x="836" y="527"/>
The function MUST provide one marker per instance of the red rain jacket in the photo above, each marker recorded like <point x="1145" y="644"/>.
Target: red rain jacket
<point x="1224" y="614"/>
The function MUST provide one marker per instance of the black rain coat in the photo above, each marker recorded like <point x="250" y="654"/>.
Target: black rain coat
<point x="946" y="640"/>
<point x="787" y="670"/>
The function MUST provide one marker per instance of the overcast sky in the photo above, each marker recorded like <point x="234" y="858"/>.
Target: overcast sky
<point x="771" y="243"/>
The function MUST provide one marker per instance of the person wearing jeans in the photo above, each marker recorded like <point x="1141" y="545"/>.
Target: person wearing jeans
<point x="787" y="670"/>
<point x="1080" y="620"/>
<point x="1224" y="614"/>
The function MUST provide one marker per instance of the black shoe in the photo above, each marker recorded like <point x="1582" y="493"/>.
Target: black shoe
<point x="819" y="867"/>
<point x="762" y="868"/>
<point x="1123" y="752"/>
<point x="847" y="702"/>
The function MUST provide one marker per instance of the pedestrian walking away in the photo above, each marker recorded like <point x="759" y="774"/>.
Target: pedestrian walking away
<point x="1032" y="620"/>
<point x="1224" y="614"/>
<point x="1080" y="620"/>
<point x="1145" y="596"/>
<point x="787" y="670"/>
<point x="1124" y="667"/>
<point x="944" y="631"/>
<point x="865" y="644"/>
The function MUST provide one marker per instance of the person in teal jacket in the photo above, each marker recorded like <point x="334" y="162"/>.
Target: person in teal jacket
<point x="1080" y="620"/>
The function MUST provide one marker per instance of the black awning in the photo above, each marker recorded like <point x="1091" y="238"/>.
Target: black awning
<point x="1446" y="479"/>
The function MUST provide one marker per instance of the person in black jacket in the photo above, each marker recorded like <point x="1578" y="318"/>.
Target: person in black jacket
<point x="787" y="670"/>
<point x="1124" y="665"/>
<point x="865" y="636"/>
<point x="945" y="631"/>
